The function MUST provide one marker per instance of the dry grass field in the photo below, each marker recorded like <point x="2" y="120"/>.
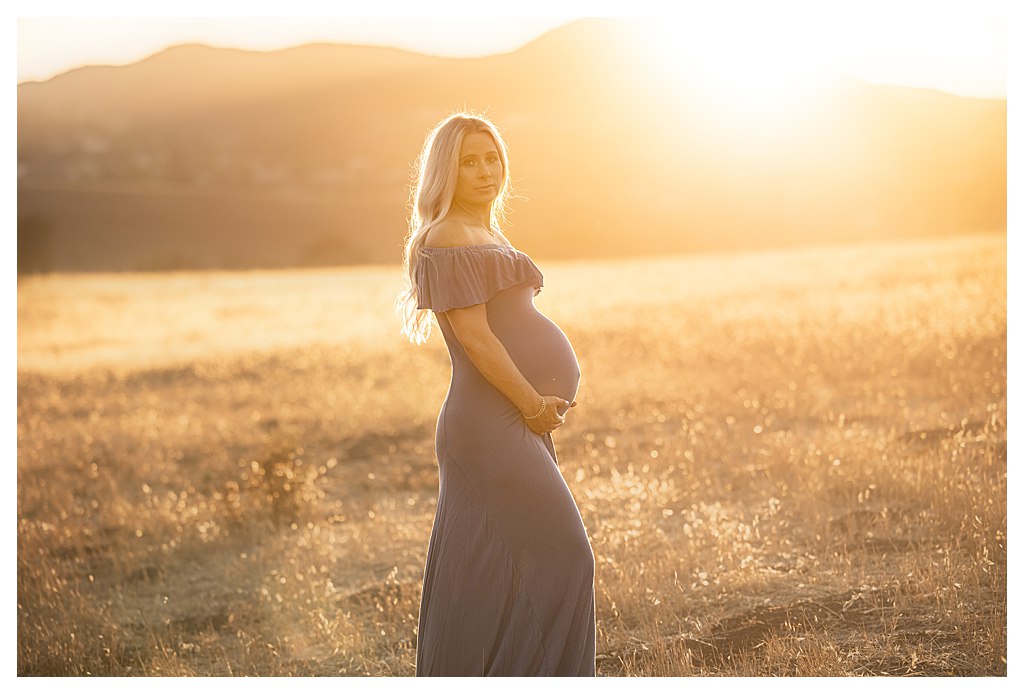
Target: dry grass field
<point x="789" y="463"/>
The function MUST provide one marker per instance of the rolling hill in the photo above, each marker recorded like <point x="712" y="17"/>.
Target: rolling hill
<point x="207" y="157"/>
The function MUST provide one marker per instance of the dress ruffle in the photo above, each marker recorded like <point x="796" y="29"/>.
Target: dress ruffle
<point x="461" y="276"/>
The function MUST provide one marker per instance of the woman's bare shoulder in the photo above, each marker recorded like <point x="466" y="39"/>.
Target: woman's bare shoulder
<point x="449" y="233"/>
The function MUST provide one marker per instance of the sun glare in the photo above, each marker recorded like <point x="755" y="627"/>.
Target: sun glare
<point x="773" y="56"/>
<point x="749" y="69"/>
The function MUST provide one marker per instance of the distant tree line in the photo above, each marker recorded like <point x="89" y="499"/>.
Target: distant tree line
<point x="35" y="244"/>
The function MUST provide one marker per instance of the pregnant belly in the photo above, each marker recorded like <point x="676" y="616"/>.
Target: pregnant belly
<point x="544" y="356"/>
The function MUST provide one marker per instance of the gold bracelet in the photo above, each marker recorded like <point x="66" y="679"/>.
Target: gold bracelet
<point x="543" y="404"/>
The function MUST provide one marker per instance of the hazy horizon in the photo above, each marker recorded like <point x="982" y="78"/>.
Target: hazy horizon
<point x="768" y="153"/>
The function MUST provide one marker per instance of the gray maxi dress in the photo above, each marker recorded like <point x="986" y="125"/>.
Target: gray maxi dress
<point x="508" y="585"/>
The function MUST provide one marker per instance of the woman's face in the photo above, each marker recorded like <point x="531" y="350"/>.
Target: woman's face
<point x="480" y="170"/>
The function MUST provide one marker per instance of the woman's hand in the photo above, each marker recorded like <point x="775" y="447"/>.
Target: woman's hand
<point x="549" y="420"/>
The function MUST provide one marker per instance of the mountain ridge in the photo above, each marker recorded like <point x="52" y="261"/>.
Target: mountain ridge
<point x="597" y="141"/>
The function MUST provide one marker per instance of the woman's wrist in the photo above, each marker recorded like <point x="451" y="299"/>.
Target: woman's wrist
<point x="537" y="410"/>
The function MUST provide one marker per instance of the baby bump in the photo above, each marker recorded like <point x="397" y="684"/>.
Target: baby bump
<point x="545" y="357"/>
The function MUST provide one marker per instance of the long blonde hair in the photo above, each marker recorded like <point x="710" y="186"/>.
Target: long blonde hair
<point x="431" y="199"/>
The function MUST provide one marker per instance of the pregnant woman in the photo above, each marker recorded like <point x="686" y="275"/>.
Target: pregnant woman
<point x="508" y="586"/>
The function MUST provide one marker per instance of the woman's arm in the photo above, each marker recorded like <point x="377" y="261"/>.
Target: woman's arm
<point x="491" y="358"/>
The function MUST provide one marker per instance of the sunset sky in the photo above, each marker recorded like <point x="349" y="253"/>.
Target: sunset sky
<point x="957" y="46"/>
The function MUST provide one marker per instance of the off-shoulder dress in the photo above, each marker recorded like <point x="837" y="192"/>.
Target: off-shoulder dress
<point x="508" y="585"/>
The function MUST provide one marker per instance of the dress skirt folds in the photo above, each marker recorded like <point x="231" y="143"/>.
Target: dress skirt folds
<point x="508" y="585"/>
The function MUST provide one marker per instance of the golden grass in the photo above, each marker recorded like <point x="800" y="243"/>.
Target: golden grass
<point x="789" y="463"/>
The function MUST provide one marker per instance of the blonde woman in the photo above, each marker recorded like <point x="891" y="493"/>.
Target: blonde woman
<point x="508" y="586"/>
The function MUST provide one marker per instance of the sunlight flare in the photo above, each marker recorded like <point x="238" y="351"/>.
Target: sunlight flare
<point x="747" y="70"/>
